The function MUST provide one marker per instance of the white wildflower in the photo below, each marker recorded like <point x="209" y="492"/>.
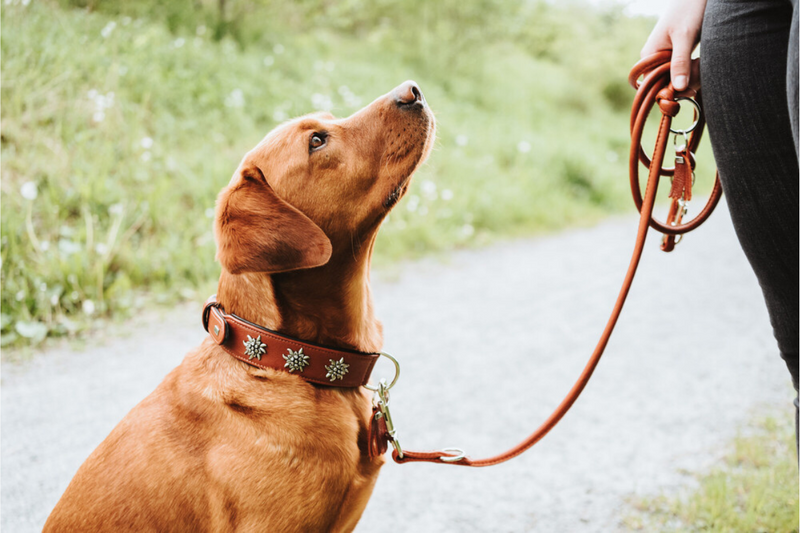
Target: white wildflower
<point x="101" y="103"/>
<point x="209" y="212"/>
<point x="147" y="142"/>
<point x="321" y="102"/>
<point x="235" y="99"/>
<point x="179" y="42"/>
<point x="524" y="147"/>
<point x="147" y="156"/>
<point x="447" y="195"/>
<point x="108" y="29"/>
<point x="278" y="49"/>
<point x="429" y="189"/>
<point x="88" y="307"/>
<point x="29" y="190"/>
<point x="269" y="61"/>
<point x="67" y="247"/>
<point x="462" y="140"/>
<point x="467" y="230"/>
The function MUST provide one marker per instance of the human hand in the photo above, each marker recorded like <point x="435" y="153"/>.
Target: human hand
<point x="678" y="30"/>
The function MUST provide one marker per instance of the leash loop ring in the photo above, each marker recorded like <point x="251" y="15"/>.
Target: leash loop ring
<point x="396" y="374"/>
<point x="460" y="454"/>
<point x="696" y="120"/>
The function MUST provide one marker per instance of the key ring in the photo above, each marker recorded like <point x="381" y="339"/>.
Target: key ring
<point x="697" y="115"/>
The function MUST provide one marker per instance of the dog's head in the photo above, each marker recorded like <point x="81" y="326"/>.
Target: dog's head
<point x="318" y="186"/>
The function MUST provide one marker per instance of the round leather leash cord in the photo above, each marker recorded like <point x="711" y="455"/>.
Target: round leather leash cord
<point x="655" y="88"/>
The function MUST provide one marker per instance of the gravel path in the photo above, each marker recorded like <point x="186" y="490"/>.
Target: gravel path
<point x="490" y="341"/>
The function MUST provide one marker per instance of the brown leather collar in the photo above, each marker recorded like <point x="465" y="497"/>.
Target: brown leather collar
<point x="264" y="348"/>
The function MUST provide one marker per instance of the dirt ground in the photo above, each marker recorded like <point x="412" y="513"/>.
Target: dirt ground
<point x="489" y="341"/>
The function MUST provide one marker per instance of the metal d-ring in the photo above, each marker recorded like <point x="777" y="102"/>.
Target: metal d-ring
<point x="396" y="373"/>
<point x="697" y="120"/>
<point x="460" y="454"/>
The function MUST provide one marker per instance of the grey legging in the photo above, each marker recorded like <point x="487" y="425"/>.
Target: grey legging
<point x="748" y="65"/>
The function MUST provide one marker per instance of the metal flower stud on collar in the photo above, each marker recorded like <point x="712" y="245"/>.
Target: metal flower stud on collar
<point x="295" y="360"/>
<point x="254" y="347"/>
<point x="337" y="369"/>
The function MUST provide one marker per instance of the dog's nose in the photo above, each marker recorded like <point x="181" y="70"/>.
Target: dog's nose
<point x="408" y="94"/>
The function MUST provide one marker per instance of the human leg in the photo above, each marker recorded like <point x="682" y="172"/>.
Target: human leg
<point x="744" y="54"/>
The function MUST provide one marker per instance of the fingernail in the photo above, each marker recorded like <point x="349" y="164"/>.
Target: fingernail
<point x="680" y="82"/>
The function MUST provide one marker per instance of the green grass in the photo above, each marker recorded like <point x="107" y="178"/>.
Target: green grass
<point x="753" y="489"/>
<point x="126" y="119"/>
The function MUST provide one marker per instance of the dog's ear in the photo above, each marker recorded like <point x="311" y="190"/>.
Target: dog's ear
<point x="258" y="232"/>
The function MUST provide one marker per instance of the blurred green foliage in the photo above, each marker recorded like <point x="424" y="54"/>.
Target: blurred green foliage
<point x="123" y="119"/>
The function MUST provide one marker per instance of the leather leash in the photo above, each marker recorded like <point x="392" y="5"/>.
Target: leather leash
<point x="655" y="88"/>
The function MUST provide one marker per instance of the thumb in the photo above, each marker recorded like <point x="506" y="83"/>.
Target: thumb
<point x="681" y="63"/>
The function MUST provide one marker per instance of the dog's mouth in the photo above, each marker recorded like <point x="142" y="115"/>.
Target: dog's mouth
<point x="401" y="188"/>
<point x="397" y="193"/>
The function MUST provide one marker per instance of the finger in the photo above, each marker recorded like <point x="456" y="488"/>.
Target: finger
<point x="658" y="40"/>
<point x="680" y="68"/>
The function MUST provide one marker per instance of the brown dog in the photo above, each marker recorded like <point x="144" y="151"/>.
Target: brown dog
<point x="221" y="445"/>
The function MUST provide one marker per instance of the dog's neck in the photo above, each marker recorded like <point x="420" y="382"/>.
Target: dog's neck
<point x="330" y="305"/>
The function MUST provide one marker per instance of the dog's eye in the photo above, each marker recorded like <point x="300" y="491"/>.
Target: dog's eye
<point x="317" y="141"/>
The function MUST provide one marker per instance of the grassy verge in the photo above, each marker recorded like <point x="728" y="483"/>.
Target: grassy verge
<point x="122" y="120"/>
<point x="754" y="489"/>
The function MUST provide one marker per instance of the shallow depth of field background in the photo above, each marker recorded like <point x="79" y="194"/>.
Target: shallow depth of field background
<point x="123" y="120"/>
